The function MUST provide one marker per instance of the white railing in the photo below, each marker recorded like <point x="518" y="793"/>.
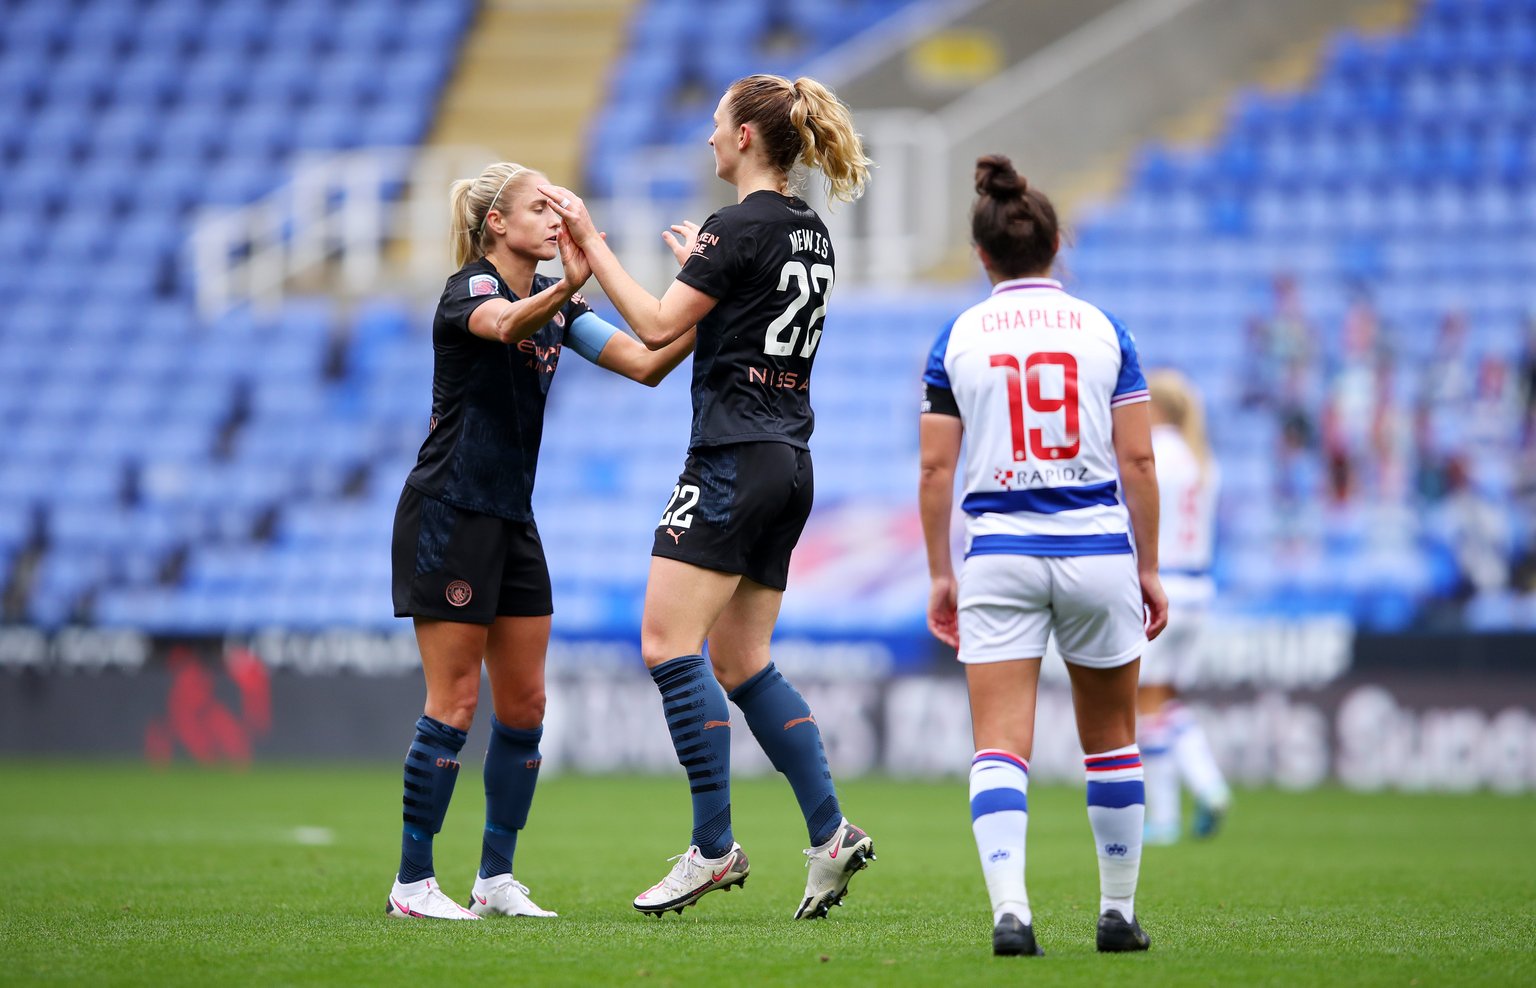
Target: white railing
<point x="1057" y="64"/>
<point x="377" y="219"/>
<point x="357" y="223"/>
<point x="900" y="227"/>
<point x="334" y="219"/>
<point x="892" y="234"/>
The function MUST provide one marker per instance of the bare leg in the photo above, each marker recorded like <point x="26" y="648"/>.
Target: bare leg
<point x="1003" y="704"/>
<point x="514" y="659"/>
<point x="451" y="652"/>
<point x="1104" y="701"/>
<point x="682" y="602"/>
<point x="1150" y="699"/>
<point x="740" y="636"/>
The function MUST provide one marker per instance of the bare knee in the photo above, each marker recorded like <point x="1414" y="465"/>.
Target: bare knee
<point x="1108" y="733"/>
<point x="1150" y="699"/>
<point x="524" y="712"/>
<point x="1015" y="735"/>
<point x="653" y="652"/>
<point x="656" y="646"/>
<point x="455" y="707"/>
<point x="733" y="670"/>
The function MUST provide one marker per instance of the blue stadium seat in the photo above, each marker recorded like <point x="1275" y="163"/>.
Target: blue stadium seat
<point x="235" y="28"/>
<point x="1404" y="167"/>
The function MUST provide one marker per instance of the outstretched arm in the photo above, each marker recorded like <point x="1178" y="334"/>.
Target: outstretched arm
<point x="658" y="322"/>
<point x="612" y="349"/>
<point x="624" y="356"/>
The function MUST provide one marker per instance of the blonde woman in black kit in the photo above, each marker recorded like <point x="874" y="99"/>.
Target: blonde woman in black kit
<point x="468" y="565"/>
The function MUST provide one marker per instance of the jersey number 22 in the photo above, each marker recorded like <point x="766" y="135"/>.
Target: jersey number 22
<point x="814" y="286"/>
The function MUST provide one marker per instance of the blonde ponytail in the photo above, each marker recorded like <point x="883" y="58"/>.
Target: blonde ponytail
<point x="830" y="143"/>
<point x="470" y="201"/>
<point x="803" y="121"/>
<point x="1178" y="402"/>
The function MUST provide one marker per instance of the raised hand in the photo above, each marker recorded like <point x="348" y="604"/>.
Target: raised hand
<point x="573" y="211"/>
<point x="681" y="239"/>
<point x="574" y="260"/>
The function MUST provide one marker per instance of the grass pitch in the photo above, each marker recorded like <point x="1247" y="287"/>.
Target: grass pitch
<point x="119" y="874"/>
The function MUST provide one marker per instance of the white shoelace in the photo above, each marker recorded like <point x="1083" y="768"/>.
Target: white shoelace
<point x="811" y="852"/>
<point x="680" y="877"/>
<point x="510" y="881"/>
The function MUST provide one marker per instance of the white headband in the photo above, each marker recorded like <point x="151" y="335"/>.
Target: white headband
<point x="515" y="172"/>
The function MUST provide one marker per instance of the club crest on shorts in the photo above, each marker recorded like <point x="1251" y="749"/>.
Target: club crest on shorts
<point x="559" y="319"/>
<point x="482" y="284"/>
<point x="458" y="593"/>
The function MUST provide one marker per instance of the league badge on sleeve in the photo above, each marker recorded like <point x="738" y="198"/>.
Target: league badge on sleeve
<point x="483" y="284"/>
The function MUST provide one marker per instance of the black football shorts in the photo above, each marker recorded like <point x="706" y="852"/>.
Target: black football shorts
<point x="739" y="509"/>
<point x="458" y="565"/>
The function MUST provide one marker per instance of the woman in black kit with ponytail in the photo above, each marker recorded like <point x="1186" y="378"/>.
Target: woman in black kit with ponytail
<point x="756" y="284"/>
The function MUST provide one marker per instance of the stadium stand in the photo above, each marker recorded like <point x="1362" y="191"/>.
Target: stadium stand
<point x="683" y="53"/>
<point x="1352" y="289"/>
<point x="1341" y="284"/>
<point x="149" y="452"/>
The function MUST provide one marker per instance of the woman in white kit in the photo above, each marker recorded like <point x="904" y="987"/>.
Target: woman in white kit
<point x="1048" y="391"/>
<point x="1173" y="745"/>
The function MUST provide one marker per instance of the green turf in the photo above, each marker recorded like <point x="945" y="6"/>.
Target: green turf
<point x="120" y="874"/>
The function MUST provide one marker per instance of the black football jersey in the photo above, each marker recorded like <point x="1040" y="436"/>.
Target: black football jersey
<point x="769" y="261"/>
<point x="482" y="444"/>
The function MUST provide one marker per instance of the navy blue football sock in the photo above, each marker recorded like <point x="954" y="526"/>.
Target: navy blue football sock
<point x="700" y="722"/>
<point x="511" y="771"/>
<point x="783" y="725"/>
<point x="431" y="769"/>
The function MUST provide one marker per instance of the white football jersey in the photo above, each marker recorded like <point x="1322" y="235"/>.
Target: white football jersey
<point x="1033" y="373"/>
<point x="1187" y="527"/>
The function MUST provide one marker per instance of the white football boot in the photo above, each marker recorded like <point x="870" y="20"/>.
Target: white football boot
<point x="423" y="900"/>
<point x="692" y="878"/>
<point x="831" y="866"/>
<point x="503" y="895"/>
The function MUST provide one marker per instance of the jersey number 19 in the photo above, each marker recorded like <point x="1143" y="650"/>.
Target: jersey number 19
<point x="1031" y="392"/>
<point x="814" y="286"/>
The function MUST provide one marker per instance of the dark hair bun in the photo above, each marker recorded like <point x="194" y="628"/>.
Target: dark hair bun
<point x="996" y="178"/>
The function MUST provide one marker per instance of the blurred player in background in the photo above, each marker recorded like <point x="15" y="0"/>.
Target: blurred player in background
<point x="757" y="285"/>
<point x="1052" y="396"/>
<point x="468" y="563"/>
<point x="1173" y="746"/>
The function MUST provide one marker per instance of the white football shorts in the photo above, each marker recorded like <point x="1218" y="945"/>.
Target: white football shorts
<point x="1170" y="657"/>
<point x="1010" y="605"/>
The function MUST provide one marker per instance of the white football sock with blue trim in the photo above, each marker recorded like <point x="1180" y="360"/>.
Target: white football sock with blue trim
<point x="1117" y="809"/>
<point x="1162" y="776"/>
<point x="1197" y="764"/>
<point x="1000" y="819"/>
